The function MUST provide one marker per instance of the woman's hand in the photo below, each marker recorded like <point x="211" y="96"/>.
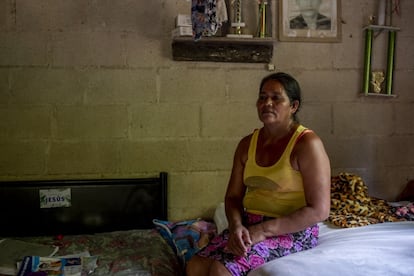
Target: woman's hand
<point x="239" y="240"/>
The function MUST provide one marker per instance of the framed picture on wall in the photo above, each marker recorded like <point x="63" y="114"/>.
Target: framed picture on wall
<point x="310" y="20"/>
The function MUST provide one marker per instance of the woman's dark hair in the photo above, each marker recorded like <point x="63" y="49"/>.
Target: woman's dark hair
<point x="290" y="85"/>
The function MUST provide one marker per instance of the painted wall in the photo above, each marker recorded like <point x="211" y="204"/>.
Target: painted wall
<point x="88" y="89"/>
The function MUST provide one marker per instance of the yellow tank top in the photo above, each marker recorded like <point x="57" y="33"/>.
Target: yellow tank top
<point x="276" y="190"/>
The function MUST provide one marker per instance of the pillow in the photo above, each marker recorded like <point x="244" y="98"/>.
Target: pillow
<point x="220" y="218"/>
<point x="186" y="237"/>
<point x="405" y="211"/>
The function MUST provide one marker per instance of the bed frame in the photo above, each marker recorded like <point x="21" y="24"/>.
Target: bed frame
<point x="53" y="207"/>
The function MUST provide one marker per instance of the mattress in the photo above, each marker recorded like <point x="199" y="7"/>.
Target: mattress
<point x="377" y="249"/>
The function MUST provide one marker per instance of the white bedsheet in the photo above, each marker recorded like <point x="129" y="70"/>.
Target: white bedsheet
<point x="378" y="249"/>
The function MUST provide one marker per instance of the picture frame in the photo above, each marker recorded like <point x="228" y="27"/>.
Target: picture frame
<point x="297" y="20"/>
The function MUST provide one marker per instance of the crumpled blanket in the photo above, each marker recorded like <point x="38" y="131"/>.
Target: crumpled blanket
<point x="405" y="211"/>
<point x="186" y="237"/>
<point x="352" y="207"/>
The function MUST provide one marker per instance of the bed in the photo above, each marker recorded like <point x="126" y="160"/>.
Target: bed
<point x="363" y="236"/>
<point x="110" y="219"/>
<point x="113" y="220"/>
<point x="377" y="249"/>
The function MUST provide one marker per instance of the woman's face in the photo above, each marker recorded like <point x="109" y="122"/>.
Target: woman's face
<point x="273" y="104"/>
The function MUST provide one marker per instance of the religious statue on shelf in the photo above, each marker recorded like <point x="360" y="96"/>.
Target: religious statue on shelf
<point x="377" y="79"/>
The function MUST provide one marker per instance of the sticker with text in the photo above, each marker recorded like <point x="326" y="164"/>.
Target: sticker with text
<point x="53" y="198"/>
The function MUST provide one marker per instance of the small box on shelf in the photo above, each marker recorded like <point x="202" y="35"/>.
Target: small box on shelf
<point x="182" y="31"/>
<point x="183" y="20"/>
<point x="183" y="26"/>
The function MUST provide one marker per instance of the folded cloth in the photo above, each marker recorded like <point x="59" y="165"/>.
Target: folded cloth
<point x="221" y="12"/>
<point x="207" y="16"/>
<point x="186" y="237"/>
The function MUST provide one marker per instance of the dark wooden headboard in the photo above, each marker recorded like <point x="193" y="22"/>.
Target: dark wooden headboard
<point x="52" y="207"/>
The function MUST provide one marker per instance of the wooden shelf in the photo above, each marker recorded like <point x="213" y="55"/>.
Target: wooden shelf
<point x="223" y="49"/>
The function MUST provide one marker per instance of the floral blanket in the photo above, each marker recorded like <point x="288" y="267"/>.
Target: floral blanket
<point x="405" y="211"/>
<point x="120" y="253"/>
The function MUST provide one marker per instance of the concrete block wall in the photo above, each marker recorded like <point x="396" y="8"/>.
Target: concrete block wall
<point x="88" y="89"/>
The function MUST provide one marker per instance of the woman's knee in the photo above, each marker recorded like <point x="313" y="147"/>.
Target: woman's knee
<point x="201" y="266"/>
<point x="198" y="266"/>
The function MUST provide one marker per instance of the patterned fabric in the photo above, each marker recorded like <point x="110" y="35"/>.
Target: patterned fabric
<point x="132" y="252"/>
<point x="186" y="237"/>
<point x="262" y="252"/>
<point x="352" y="207"/>
<point x="204" y="18"/>
<point x="405" y="211"/>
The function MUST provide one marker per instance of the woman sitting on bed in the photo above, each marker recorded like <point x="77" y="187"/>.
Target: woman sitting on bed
<point x="278" y="191"/>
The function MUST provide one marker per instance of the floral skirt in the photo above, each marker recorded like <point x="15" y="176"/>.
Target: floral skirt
<point x="262" y="252"/>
